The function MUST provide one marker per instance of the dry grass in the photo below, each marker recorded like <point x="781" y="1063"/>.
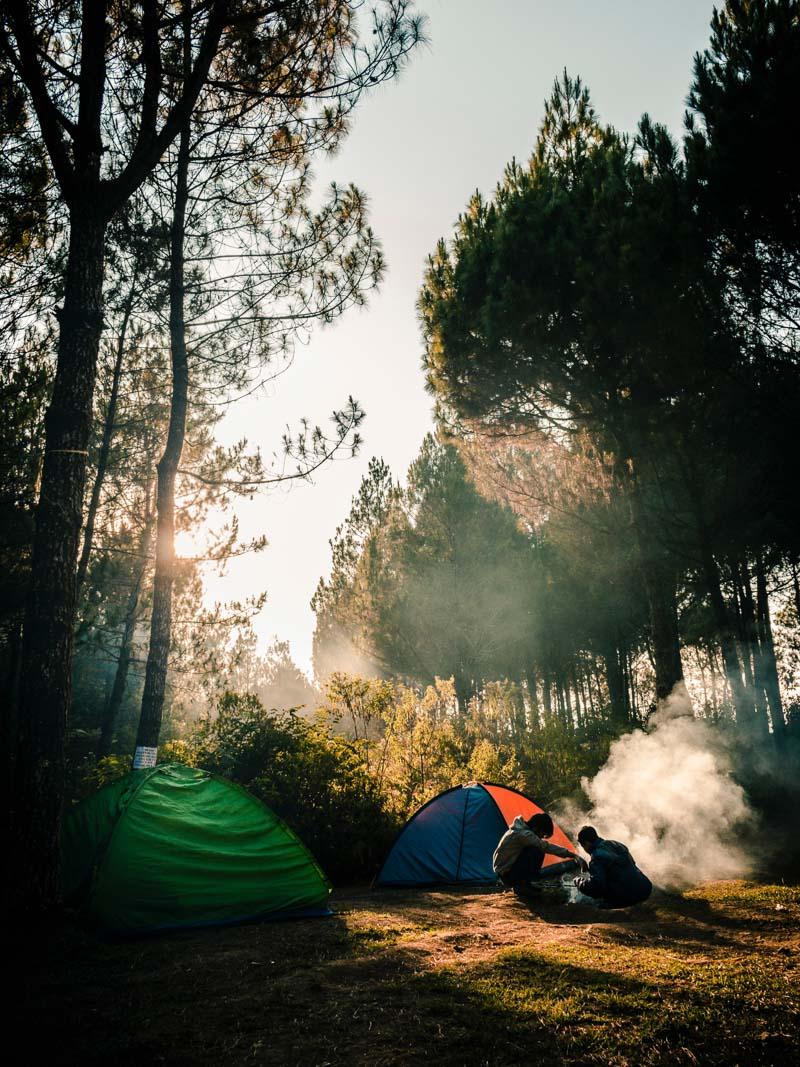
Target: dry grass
<point x="452" y="976"/>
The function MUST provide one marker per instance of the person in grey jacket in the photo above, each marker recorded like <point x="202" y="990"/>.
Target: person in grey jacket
<point x="613" y="880"/>
<point x="520" y="853"/>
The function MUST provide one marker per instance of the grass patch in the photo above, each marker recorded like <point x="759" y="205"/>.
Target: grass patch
<point x="748" y="896"/>
<point x="461" y="978"/>
<point x="609" y="1004"/>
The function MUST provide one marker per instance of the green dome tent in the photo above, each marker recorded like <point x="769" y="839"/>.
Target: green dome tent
<point x="173" y="846"/>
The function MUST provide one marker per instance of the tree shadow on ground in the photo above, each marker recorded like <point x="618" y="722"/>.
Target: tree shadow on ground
<point x="691" y="924"/>
<point x="714" y="914"/>
<point x="520" y="1006"/>
<point x="676" y="936"/>
<point x="173" y="998"/>
<point x="341" y="992"/>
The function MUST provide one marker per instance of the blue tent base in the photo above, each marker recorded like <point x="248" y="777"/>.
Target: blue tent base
<point x="450" y="840"/>
<point x="462" y="884"/>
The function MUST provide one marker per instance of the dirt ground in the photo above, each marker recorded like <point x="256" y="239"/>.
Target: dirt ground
<point x="462" y="977"/>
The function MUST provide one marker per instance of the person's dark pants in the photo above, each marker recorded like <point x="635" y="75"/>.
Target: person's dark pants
<point x="636" y="892"/>
<point x="527" y="868"/>
<point x="627" y="900"/>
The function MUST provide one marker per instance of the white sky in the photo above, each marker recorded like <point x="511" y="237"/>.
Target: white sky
<point x="419" y="147"/>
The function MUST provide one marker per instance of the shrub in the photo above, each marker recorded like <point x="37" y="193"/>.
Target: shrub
<point x="92" y="773"/>
<point x="315" y="780"/>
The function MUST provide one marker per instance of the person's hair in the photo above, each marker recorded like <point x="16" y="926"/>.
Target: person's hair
<point x="588" y="834"/>
<point x="541" y="824"/>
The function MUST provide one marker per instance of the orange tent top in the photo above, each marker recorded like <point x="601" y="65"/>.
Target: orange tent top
<point x="511" y="804"/>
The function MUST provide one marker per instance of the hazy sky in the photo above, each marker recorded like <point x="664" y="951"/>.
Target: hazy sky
<point x="469" y="101"/>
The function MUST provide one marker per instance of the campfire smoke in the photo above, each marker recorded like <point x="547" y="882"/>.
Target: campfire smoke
<point x="668" y="794"/>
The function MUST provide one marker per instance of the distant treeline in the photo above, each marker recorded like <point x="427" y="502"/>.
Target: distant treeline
<point x="434" y="580"/>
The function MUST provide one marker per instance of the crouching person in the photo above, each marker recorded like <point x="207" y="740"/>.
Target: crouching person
<point x="520" y="853"/>
<point x="613" y="880"/>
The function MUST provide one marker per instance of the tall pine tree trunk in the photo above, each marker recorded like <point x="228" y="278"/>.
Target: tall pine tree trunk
<point x="547" y="697"/>
<point x="9" y="700"/>
<point x="464" y="690"/>
<point x="115" y="698"/>
<point x="615" y="680"/>
<point x="659" y="583"/>
<point x="752" y="658"/>
<point x="161" y="621"/>
<point x="597" y="695"/>
<point x="767" y="655"/>
<point x="745" y="709"/>
<point x="105" y="445"/>
<point x="633" y="707"/>
<point x="627" y="681"/>
<point x="586" y="696"/>
<point x="796" y="591"/>
<point x="533" y="697"/>
<point x="664" y="626"/>
<point x="568" y="718"/>
<point x="578" y="691"/>
<point x="50" y="609"/>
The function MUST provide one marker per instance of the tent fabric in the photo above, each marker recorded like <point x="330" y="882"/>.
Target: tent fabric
<point x="451" y="839"/>
<point x="174" y="846"/>
<point x="511" y="804"/>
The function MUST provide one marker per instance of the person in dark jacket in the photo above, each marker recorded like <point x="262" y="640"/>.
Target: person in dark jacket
<point x="613" y="880"/>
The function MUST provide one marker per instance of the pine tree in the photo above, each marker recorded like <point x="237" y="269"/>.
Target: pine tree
<point x="107" y="113"/>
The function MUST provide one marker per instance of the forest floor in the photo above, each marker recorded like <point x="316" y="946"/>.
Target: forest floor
<point x="453" y="977"/>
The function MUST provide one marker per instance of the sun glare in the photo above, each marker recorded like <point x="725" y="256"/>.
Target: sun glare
<point x="189" y="543"/>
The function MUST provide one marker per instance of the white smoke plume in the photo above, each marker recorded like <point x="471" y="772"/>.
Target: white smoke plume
<point x="668" y="794"/>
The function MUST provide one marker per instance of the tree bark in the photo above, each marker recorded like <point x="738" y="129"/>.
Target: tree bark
<point x="796" y="591"/>
<point x="533" y="698"/>
<point x="161" y="620"/>
<point x="50" y="608"/>
<point x="114" y="703"/>
<point x="767" y="655"/>
<point x="615" y="679"/>
<point x="745" y="709"/>
<point x="752" y="653"/>
<point x="627" y="682"/>
<point x="115" y="698"/>
<point x="105" y="446"/>
<point x="559" y="689"/>
<point x="636" y="715"/>
<point x="577" y="688"/>
<point x="565" y="711"/>
<point x="597" y="696"/>
<point x="713" y="674"/>
<point x="659" y="585"/>
<point x="586" y="696"/>
<point x="660" y="589"/>
<point x="747" y="633"/>
<point x="547" y="698"/>
<point x="9" y="703"/>
<point x="518" y="715"/>
<point x="465" y="690"/>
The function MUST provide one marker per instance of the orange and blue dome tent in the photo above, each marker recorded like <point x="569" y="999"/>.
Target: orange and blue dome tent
<point x="451" y="839"/>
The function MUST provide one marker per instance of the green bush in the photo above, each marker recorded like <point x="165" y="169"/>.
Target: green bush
<point x="92" y="774"/>
<point x="315" y="780"/>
